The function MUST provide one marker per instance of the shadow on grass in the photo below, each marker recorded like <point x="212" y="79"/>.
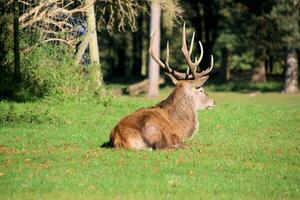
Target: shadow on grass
<point x="20" y="91"/>
<point x="106" y="145"/>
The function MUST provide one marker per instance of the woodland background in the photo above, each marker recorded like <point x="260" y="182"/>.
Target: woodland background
<point x="251" y="41"/>
<point x="71" y="69"/>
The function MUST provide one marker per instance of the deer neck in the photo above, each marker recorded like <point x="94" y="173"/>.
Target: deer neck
<point x="182" y="112"/>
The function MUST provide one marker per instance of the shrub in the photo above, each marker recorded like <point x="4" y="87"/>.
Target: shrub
<point x="7" y="114"/>
<point x="50" y="71"/>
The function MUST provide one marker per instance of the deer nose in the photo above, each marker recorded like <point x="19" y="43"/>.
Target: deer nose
<point x="214" y="102"/>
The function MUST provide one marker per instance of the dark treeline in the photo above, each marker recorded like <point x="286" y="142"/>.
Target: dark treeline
<point x="256" y="37"/>
<point x="255" y="41"/>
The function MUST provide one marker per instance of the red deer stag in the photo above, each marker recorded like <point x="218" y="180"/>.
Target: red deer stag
<point x="173" y="120"/>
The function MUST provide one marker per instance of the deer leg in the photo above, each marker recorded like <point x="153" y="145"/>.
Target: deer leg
<point x="169" y="143"/>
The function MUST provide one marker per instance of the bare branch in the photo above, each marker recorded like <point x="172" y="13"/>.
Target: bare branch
<point x="52" y="16"/>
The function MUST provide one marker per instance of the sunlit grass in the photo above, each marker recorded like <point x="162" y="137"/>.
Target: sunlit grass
<point x="246" y="148"/>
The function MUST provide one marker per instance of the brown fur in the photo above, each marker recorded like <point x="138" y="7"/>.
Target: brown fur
<point x="165" y="125"/>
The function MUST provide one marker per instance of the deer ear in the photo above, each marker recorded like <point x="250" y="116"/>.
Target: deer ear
<point x="198" y="82"/>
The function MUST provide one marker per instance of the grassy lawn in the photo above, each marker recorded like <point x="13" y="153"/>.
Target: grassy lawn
<point x="246" y="148"/>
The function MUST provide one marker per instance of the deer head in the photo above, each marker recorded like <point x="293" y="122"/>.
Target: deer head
<point x="190" y="83"/>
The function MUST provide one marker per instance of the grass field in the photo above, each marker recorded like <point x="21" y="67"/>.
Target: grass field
<point x="246" y="148"/>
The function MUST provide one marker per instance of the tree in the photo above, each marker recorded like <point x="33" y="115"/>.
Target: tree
<point x="230" y="30"/>
<point x="90" y="40"/>
<point x="130" y="59"/>
<point x="91" y="23"/>
<point x="259" y="70"/>
<point x="173" y="11"/>
<point x="291" y="74"/>
<point x="7" y="74"/>
<point x="114" y="19"/>
<point x="226" y="64"/>
<point x="153" y="66"/>
<point x="52" y="19"/>
<point x="204" y="16"/>
<point x="287" y="14"/>
<point x="137" y="44"/>
<point x="16" y="42"/>
<point x="260" y="29"/>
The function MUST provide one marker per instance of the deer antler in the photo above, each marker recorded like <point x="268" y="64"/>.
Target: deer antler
<point x="187" y="54"/>
<point x="165" y="65"/>
<point x="192" y="66"/>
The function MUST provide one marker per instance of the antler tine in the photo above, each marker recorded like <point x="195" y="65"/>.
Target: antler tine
<point x="204" y="72"/>
<point x="192" y="66"/>
<point x="167" y="59"/>
<point x="191" y="45"/>
<point x="190" y="53"/>
<point x="187" y="71"/>
<point x="201" y="53"/>
<point x="187" y="53"/>
<point x="151" y="52"/>
<point x="173" y="74"/>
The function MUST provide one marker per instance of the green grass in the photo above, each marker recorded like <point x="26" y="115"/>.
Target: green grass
<point x="246" y="148"/>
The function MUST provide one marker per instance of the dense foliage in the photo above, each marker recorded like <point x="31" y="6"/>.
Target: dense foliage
<point x="244" y="32"/>
<point x="242" y="36"/>
<point x="47" y="72"/>
<point x="50" y="70"/>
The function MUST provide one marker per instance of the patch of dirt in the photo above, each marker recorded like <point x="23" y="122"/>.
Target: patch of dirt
<point x="10" y="151"/>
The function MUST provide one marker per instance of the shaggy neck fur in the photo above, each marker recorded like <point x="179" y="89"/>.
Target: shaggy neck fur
<point x="182" y="110"/>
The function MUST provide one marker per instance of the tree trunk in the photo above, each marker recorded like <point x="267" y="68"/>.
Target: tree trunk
<point x="259" y="71"/>
<point x="226" y="63"/>
<point x="91" y="23"/>
<point x="153" y="66"/>
<point x="291" y="73"/>
<point x="82" y="47"/>
<point x="16" y="42"/>
<point x="137" y="39"/>
<point x="271" y="64"/>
